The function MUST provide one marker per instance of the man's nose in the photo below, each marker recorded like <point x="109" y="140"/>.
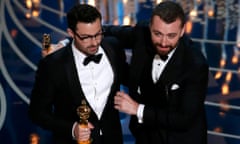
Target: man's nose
<point x="94" y="40"/>
<point x="164" y="41"/>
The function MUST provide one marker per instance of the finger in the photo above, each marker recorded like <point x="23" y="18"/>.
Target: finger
<point x="85" y="130"/>
<point x="118" y="98"/>
<point x="84" y="137"/>
<point x="126" y="97"/>
<point x="118" y="101"/>
<point x="118" y="107"/>
<point x="44" y="53"/>
<point x="83" y="134"/>
<point x="118" y="92"/>
<point x="121" y="93"/>
<point x="90" y="125"/>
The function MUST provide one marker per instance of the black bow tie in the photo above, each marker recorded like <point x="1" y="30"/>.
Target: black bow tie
<point x="163" y="57"/>
<point x="94" y="58"/>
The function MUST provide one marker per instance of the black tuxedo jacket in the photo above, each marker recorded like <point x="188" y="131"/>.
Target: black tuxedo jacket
<point x="174" y="107"/>
<point x="57" y="93"/>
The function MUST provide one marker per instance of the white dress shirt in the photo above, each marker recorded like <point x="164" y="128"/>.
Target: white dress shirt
<point x="157" y="67"/>
<point x="95" y="79"/>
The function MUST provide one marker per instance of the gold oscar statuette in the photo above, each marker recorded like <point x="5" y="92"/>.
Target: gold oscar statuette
<point x="83" y="112"/>
<point x="46" y="42"/>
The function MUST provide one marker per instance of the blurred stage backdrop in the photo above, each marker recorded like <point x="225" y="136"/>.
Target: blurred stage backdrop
<point x="212" y="24"/>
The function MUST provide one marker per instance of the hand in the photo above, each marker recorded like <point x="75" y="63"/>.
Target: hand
<point x="124" y="103"/>
<point x="51" y="49"/>
<point x="83" y="133"/>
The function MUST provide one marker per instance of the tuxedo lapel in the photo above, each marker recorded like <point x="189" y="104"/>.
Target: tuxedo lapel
<point x="72" y="77"/>
<point x="112" y="59"/>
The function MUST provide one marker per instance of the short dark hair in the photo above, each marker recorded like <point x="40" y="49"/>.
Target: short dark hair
<point x="169" y="12"/>
<point x="82" y="13"/>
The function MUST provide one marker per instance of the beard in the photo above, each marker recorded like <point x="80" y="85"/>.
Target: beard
<point x="163" y="49"/>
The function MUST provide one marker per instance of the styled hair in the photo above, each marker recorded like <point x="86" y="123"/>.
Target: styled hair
<point x="169" y="12"/>
<point x="82" y="13"/>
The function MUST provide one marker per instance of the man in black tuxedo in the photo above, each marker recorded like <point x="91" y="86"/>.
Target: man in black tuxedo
<point x="168" y="80"/>
<point x="68" y="76"/>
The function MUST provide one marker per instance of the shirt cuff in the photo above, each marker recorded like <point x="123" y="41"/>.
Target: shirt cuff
<point x="64" y="42"/>
<point x="140" y="113"/>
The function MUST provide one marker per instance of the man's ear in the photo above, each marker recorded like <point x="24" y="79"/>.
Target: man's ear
<point x="70" y="32"/>
<point x="183" y="30"/>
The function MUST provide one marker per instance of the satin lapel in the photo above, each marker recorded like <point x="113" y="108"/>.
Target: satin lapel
<point x="111" y="55"/>
<point x="72" y="77"/>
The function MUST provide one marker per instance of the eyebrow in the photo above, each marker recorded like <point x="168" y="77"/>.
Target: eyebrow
<point x="89" y="34"/>
<point x="156" y="31"/>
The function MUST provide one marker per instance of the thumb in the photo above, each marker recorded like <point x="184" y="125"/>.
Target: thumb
<point x="90" y="125"/>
